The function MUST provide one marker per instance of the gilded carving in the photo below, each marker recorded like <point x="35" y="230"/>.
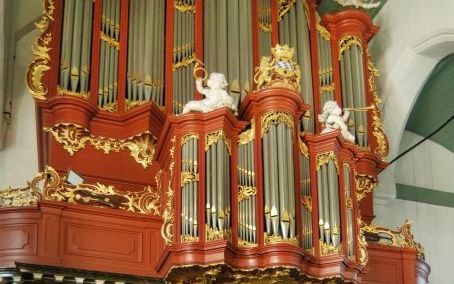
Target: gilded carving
<point x="402" y="237"/>
<point x="278" y="70"/>
<point x="49" y="185"/>
<point x="245" y="244"/>
<point x="323" y="32"/>
<point x="189" y="239"/>
<point x="168" y="215"/>
<point x="41" y="59"/>
<point x="275" y="117"/>
<point x="377" y="124"/>
<point x="306" y="201"/>
<point x="110" y="107"/>
<point x="304" y="150"/>
<point x="326" y="249"/>
<point x="346" y="42"/>
<point x="216" y="234"/>
<point x="327" y="88"/>
<point x="74" y="138"/>
<point x="264" y="27"/>
<point x="188" y="137"/>
<point x="64" y="92"/>
<point x="362" y="244"/>
<point x="110" y="41"/>
<point x="284" y="7"/>
<point x="324" y="158"/>
<point x="248" y="135"/>
<point x="132" y="104"/>
<point x="365" y="184"/>
<point x="182" y="7"/>
<point x="213" y="137"/>
<point x="184" y="62"/>
<point x="277" y="239"/>
<point x="245" y="191"/>
<point x="187" y="177"/>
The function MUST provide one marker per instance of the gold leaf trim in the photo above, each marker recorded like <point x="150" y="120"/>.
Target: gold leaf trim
<point x="74" y="138"/>
<point x="187" y="177"/>
<point x="326" y="249"/>
<point x="41" y="59"/>
<point x="246" y="244"/>
<point x="63" y="92"/>
<point x="110" y="41"/>
<point x="276" y="239"/>
<point x="365" y="184"/>
<point x="133" y="104"/>
<point x="110" y="107"/>
<point x="245" y="191"/>
<point x="247" y="136"/>
<point x="213" y="137"/>
<point x="264" y="27"/>
<point x="181" y="7"/>
<point x="216" y="234"/>
<point x="346" y="42"/>
<point x="377" y="124"/>
<point x="284" y="7"/>
<point x="184" y="62"/>
<point x="189" y="239"/>
<point x="323" y="159"/>
<point x="168" y="215"/>
<point x="275" y="117"/>
<point x="323" y="32"/>
<point x="188" y="137"/>
<point x="49" y="185"/>
<point x="362" y="245"/>
<point x="327" y="88"/>
<point x="304" y="150"/>
<point x="306" y="201"/>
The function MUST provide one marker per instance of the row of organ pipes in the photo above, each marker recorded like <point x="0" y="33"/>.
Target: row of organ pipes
<point x="227" y="49"/>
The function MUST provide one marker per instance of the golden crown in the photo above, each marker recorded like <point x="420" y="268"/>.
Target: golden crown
<point x="282" y="51"/>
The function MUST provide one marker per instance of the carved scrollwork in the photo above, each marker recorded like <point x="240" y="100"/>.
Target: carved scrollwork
<point x="346" y="42"/>
<point x="304" y="150"/>
<point x="274" y="117"/>
<point x="248" y="135"/>
<point x="246" y="191"/>
<point x="324" y="158"/>
<point x="216" y="234"/>
<point x="213" y="137"/>
<point x="276" y="239"/>
<point x="169" y="215"/>
<point x="49" y="185"/>
<point x="306" y="201"/>
<point x="323" y="32"/>
<point x="74" y="138"/>
<point x="365" y="184"/>
<point x="326" y="249"/>
<point x="284" y="7"/>
<point x="41" y="58"/>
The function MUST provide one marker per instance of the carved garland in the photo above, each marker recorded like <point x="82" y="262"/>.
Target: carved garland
<point x="74" y="138"/>
<point x="41" y="58"/>
<point x="377" y="124"/>
<point x="346" y="42"/>
<point x="284" y="7"/>
<point x="212" y="138"/>
<point x="323" y="32"/>
<point x="323" y="159"/>
<point x="168" y="215"/>
<point x="49" y="185"/>
<point x="247" y="136"/>
<point x="275" y="117"/>
<point x="365" y="184"/>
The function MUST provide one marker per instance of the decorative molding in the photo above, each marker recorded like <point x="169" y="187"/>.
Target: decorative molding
<point x="324" y="158"/>
<point x="216" y="234"/>
<point x="327" y="249"/>
<point x="169" y="215"/>
<point x="304" y="150"/>
<point x="246" y="244"/>
<point x="49" y="185"/>
<point x="188" y="137"/>
<point x="275" y="117"/>
<point x="213" y="137"/>
<point x="64" y="92"/>
<point x="377" y="122"/>
<point x="41" y="59"/>
<point x="277" y="239"/>
<point x="323" y="32"/>
<point x="346" y="42"/>
<point x="365" y="184"/>
<point x="402" y="237"/>
<point x="74" y="138"/>
<point x="284" y="7"/>
<point x="247" y="136"/>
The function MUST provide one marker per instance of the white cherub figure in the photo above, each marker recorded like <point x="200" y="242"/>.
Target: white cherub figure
<point x="365" y="4"/>
<point x="215" y="94"/>
<point x="332" y="119"/>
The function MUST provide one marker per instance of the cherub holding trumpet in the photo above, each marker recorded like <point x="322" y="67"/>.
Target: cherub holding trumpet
<point x="215" y="94"/>
<point x="333" y="119"/>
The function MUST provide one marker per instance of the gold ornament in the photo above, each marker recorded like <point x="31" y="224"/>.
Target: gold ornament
<point x="346" y="42"/>
<point x="275" y="117"/>
<point x="326" y="249"/>
<point x="284" y="7"/>
<point x="245" y="191"/>
<point x="323" y="32"/>
<point x="323" y="159"/>
<point x="41" y="59"/>
<point x="168" y="215"/>
<point x="365" y="184"/>
<point x="213" y="137"/>
<point x="247" y="136"/>
<point x="277" y="239"/>
<point x="182" y="7"/>
<point x="304" y="150"/>
<point x="216" y="234"/>
<point x="110" y="41"/>
<point x="306" y="201"/>
<point x="64" y="92"/>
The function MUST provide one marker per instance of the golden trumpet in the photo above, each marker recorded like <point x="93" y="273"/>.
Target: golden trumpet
<point x="199" y="66"/>
<point x="371" y="107"/>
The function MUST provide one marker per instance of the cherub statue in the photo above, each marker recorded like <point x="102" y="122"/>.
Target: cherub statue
<point x="365" y="4"/>
<point x="333" y="119"/>
<point x="215" y="94"/>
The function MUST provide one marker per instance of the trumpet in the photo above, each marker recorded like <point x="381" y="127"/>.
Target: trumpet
<point x="199" y="66"/>
<point x="367" y="108"/>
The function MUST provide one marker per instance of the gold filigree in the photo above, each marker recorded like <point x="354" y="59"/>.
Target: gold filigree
<point x="184" y="62"/>
<point x="110" y="107"/>
<point x="74" y="138"/>
<point x="110" y="41"/>
<point x="41" y="59"/>
<point x="133" y="104"/>
<point x="284" y="7"/>
<point x="324" y="158"/>
<point x="306" y="201"/>
<point x="188" y="137"/>
<point x="346" y="42"/>
<point x="323" y="32"/>
<point x="49" y="185"/>
<point x="278" y="70"/>
<point x="214" y="234"/>
<point x="362" y="246"/>
<point x="402" y="237"/>
<point x="189" y="239"/>
<point x="187" y="177"/>
<point x="182" y="7"/>
<point x="326" y="249"/>
<point x="245" y="191"/>
<point x="365" y="184"/>
<point x="168" y="215"/>
<point x="275" y="117"/>
<point x="213" y="137"/>
<point x="248" y="135"/>
<point x="377" y="124"/>
<point x="304" y="150"/>
<point x="63" y="92"/>
<point x="245" y="244"/>
<point x="277" y="239"/>
<point x="264" y="27"/>
<point x="327" y="88"/>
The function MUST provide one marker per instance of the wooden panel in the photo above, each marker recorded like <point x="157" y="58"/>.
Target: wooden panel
<point x="103" y="242"/>
<point x="375" y="273"/>
<point x="18" y="239"/>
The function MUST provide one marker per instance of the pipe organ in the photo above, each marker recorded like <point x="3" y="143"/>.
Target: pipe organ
<point x="252" y="195"/>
